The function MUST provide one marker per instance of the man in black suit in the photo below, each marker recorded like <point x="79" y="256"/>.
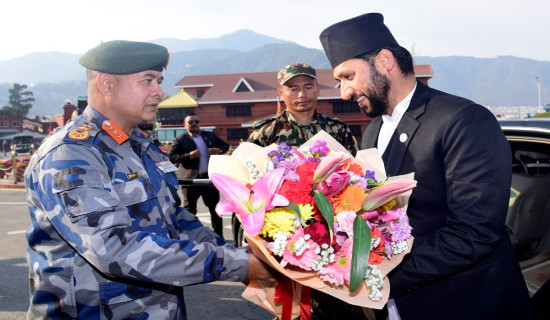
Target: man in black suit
<point x="461" y="265"/>
<point x="192" y="151"/>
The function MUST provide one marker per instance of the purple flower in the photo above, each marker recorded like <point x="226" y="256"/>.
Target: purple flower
<point x="318" y="151"/>
<point x="280" y="154"/>
<point x="401" y="230"/>
<point x="290" y="166"/>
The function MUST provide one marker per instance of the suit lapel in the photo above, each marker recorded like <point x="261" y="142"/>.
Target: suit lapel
<point x="407" y="128"/>
<point x="404" y="132"/>
<point x="370" y="136"/>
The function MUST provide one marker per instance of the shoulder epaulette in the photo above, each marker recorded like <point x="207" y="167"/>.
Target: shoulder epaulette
<point x="330" y="118"/>
<point x="81" y="133"/>
<point x="260" y="123"/>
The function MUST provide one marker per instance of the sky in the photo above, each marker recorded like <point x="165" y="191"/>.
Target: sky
<point x="476" y="28"/>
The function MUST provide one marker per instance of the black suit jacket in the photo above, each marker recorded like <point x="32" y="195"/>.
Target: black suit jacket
<point x="184" y="144"/>
<point x="462" y="264"/>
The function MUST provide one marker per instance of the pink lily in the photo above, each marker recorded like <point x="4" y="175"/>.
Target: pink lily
<point x="250" y="204"/>
<point x="331" y="163"/>
<point x="379" y="196"/>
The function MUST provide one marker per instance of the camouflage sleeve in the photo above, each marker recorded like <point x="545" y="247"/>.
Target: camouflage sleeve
<point x="349" y="140"/>
<point x="121" y="228"/>
<point x="257" y="137"/>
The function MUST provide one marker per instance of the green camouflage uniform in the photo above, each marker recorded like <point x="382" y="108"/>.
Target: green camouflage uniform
<point x="285" y="128"/>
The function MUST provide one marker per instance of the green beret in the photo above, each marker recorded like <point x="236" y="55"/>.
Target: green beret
<point x="125" y="57"/>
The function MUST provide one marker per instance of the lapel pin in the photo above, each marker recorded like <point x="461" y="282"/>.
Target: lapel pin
<point x="403" y="137"/>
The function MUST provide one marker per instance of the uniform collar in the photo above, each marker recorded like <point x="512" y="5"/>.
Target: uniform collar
<point x="109" y="127"/>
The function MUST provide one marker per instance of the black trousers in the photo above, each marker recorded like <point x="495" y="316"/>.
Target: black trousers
<point x="210" y="197"/>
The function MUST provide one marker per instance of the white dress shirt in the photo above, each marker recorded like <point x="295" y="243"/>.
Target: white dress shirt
<point x="389" y="123"/>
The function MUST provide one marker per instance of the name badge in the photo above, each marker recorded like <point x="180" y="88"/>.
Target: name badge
<point x="166" y="166"/>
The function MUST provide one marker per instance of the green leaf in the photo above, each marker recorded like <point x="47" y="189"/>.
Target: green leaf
<point x="326" y="210"/>
<point x="360" y="253"/>
<point x="294" y="207"/>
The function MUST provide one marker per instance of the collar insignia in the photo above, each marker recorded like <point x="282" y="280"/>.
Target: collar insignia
<point x="114" y="131"/>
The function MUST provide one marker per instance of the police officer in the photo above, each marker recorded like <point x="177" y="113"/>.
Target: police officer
<point x="300" y="121"/>
<point x="107" y="237"/>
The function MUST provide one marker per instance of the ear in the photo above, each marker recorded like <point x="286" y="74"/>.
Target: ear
<point x="386" y="60"/>
<point x="280" y="92"/>
<point x="105" y="83"/>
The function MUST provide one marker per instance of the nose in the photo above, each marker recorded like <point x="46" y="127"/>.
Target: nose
<point x="157" y="91"/>
<point x="346" y="92"/>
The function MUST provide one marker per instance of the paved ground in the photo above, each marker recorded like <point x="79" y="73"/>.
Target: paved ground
<point x="214" y="301"/>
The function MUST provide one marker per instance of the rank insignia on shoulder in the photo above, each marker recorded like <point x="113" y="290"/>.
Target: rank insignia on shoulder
<point x="133" y="175"/>
<point x="166" y="166"/>
<point x="81" y="132"/>
<point x="114" y="131"/>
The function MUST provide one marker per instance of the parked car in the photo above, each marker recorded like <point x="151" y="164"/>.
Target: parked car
<point x="528" y="219"/>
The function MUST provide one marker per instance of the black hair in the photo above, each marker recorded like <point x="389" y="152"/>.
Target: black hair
<point x="402" y="56"/>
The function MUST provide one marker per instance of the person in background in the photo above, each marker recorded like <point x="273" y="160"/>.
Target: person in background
<point x="192" y="151"/>
<point x="462" y="265"/>
<point x="301" y="120"/>
<point x="107" y="237"/>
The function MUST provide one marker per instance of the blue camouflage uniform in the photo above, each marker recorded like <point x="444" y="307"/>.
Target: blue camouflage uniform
<point x="107" y="238"/>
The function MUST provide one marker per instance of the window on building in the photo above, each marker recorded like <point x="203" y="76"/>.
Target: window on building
<point x="244" y="110"/>
<point x="345" y="107"/>
<point x="237" y="134"/>
<point x="356" y="130"/>
<point x="4" y="124"/>
<point x="173" y="115"/>
<point x="15" y="124"/>
<point x="200" y="93"/>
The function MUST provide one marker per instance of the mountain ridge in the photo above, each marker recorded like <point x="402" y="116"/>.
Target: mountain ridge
<point x="56" y="76"/>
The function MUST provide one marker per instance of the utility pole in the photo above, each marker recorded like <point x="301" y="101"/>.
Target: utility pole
<point x="540" y="104"/>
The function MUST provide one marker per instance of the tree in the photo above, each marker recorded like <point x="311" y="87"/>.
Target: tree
<point x="20" y="101"/>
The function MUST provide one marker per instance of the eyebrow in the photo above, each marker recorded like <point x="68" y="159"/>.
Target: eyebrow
<point x="152" y="75"/>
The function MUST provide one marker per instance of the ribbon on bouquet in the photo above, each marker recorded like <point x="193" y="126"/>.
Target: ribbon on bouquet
<point x="284" y="294"/>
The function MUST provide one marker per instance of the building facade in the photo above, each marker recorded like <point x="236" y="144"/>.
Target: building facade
<point x="230" y="103"/>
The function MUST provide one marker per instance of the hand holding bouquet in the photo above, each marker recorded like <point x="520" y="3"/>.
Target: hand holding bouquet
<point x="323" y="218"/>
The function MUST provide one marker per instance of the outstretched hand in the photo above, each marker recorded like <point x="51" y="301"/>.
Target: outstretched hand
<point x="259" y="270"/>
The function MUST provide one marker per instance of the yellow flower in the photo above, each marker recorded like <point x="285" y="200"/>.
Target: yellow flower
<point x="306" y="211"/>
<point x="277" y="219"/>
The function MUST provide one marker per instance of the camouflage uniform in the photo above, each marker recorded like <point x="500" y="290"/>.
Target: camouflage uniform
<point x="107" y="239"/>
<point x="285" y="128"/>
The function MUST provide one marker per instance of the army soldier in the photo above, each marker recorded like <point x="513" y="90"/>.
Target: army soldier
<point x="300" y="121"/>
<point x="107" y="237"/>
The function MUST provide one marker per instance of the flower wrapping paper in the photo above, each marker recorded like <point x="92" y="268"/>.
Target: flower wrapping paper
<point x="264" y="294"/>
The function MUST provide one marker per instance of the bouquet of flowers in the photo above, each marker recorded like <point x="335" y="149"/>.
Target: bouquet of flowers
<point x="321" y="217"/>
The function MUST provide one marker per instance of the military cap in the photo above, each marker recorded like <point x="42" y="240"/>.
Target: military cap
<point x="294" y="70"/>
<point x="125" y="57"/>
<point x="353" y="37"/>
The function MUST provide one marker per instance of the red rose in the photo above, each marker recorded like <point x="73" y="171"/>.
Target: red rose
<point x="318" y="233"/>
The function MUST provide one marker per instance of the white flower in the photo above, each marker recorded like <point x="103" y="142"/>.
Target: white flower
<point x="375" y="281"/>
<point x="375" y="241"/>
<point x="279" y="243"/>
<point x="253" y="171"/>
<point x="268" y="166"/>
<point x="301" y="245"/>
<point x="398" y="247"/>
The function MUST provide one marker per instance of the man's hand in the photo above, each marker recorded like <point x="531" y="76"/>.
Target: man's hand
<point x="259" y="270"/>
<point x="195" y="154"/>
<point x="214" y="151"/>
